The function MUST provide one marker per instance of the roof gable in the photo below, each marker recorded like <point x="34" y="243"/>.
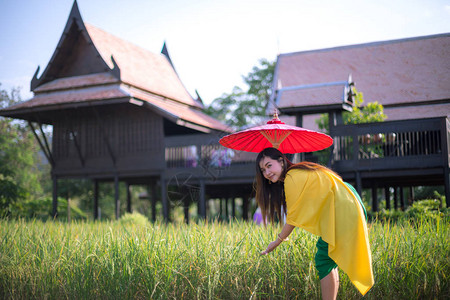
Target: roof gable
<point x="84" y="49"/>
<point x="75" y="55"/>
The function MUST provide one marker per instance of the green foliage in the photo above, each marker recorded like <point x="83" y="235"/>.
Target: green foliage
<point x="19" y="161"/>
<point x="241" y="108"/>
<point x="41" y="208"/>
<point x="113" y="260"/>
<point x="9" y="193"/>
<point x="372" y="112"/>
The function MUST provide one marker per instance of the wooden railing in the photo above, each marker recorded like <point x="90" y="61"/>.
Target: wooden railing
<point x="405" y="144"/>
<point x="202" y="154"/>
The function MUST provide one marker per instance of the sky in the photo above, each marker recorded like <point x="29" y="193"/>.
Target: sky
<point x="212" y="43"/>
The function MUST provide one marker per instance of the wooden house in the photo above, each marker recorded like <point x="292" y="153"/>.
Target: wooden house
<point x="115" y="109"/>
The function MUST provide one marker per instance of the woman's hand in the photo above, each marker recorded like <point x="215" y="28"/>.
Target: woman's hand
<point x="271" y="247"/>
<point x="287" y="229"/>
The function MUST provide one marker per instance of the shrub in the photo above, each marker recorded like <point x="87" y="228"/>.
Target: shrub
<point x="428" y="208"/>
<point x="134" y="219"/>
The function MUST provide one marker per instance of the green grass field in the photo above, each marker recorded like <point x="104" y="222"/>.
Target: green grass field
<point x="119" y="260"/>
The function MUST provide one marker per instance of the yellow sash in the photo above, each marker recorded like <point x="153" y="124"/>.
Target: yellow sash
<point x="321" y="203"/>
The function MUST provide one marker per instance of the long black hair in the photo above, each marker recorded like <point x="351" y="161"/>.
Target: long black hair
<point x="270" y="196"/>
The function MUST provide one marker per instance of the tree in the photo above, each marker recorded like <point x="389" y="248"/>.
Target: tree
<point x="19" y="177"/>
<point x="242" y="108"/>
<point x="372" y="112"/>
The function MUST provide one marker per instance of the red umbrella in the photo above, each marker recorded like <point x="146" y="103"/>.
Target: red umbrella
<point x="286" y="138"/>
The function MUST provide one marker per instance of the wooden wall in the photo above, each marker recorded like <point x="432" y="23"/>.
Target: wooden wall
<point x="122" y="139"/>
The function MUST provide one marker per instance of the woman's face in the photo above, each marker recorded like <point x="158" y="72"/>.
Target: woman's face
<point x="271" y="168"/>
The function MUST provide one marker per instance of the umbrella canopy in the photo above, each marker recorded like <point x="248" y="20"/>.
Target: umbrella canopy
<point x="276" y="134"/>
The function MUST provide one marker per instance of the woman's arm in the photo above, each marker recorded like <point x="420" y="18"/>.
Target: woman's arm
<point x="285" y="232"/>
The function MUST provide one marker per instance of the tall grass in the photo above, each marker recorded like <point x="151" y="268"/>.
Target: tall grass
<point x="113" y="260"/>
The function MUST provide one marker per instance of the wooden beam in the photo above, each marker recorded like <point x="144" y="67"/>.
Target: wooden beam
<point x="95" y="199"/>
<point x="116" y="196"/>
<point x="46" y="153"/>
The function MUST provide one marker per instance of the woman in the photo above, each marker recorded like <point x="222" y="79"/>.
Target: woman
<point x="316" y="199"/>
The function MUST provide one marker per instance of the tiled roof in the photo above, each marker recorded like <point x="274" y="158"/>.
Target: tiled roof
<point x="392" y="72"/>
<point x="64" y="97"/>
<point x="76" y="82"/>
<point x="179" y="111"/>
<point x="418" y="111"/>
<point x="140" y="67"/>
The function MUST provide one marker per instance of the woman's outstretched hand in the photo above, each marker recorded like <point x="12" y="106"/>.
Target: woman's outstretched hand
<point x="287" y="229"/>
<point x="271" y="247"/>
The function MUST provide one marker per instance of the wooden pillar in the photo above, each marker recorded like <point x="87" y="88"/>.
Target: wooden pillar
<point x="299" y="120"/>
<point x="358" y="183"/>
<point x="226" y="209"/>
<point x="233" y="207"/>
<point x="164" y="201"/>
<point x="299" y="123"/>
<point x="116" y="196"/>
<point x="186" y="202"/>
<point x="128" y="198"/>
<point x="410" y="195"/>
<point x="95" y="199"/>
<point x="447" y="185"/>
<point x="55" y="197"/>
<point x="387" y="196"/>
<point x="395" y="197"/>
<point x="152" y="191"/>
<point x="202" y="200"/>
<point x="374" y="198"/>
<point x="402" y="198"/>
